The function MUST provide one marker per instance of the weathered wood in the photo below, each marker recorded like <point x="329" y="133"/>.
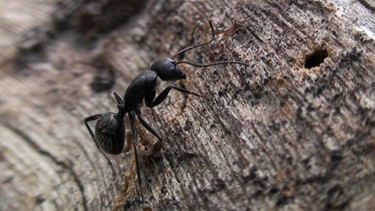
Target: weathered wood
<point x="294" y="130"/>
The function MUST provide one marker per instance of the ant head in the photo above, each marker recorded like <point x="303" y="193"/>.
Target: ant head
<point x="167" y="70"/>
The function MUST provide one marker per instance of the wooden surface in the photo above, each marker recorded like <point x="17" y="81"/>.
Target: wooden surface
<point x="293" y="131"/>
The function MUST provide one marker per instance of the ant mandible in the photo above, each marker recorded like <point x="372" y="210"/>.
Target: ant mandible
<point x="110" y="128"/>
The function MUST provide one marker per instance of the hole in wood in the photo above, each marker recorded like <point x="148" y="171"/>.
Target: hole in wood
<point x="316" y="58"/>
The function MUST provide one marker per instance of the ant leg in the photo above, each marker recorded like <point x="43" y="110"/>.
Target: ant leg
<point x="92" y="118"/>
<point x="150" y="102"/>
<point x="157" y="147"/>
<point x="88" y="119"/>
<point x="135" y="136"/>
<point x="146" y="125"/>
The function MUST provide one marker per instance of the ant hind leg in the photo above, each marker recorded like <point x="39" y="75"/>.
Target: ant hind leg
<point x="135" y="136"/>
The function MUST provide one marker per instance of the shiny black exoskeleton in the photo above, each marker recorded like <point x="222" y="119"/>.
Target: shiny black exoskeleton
<point x="110" y="129"/>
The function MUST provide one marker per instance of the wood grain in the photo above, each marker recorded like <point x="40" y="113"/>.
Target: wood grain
<point x="277" y="135"/>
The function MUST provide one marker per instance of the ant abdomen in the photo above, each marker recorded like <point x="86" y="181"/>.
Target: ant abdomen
<point x="110" y="133"/>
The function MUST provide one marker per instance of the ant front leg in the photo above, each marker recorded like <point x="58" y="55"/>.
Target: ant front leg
<point x="149" y="98"/>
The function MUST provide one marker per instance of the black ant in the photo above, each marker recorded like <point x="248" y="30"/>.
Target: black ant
<point x="110" y="128"/>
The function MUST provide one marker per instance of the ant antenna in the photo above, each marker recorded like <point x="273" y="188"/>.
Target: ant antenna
<point x="211" y="64"/>
<point x="198" y="45"/>
<point x="202" y="44"/>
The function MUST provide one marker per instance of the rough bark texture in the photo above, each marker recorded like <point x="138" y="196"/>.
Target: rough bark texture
<point x="293" y="131"/>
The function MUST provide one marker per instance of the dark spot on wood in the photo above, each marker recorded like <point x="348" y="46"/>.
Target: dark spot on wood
<point x="220" y="93"/>
<point x="257" y="194"/>
<point x="310" y="107"/>
<point x="336" y="198"/>
<point x="316" y="58"/>
<point x="104" y="78"/>
<point x="273" y="190"/>
<point x="217" y="185"/>
<point x="128" y="205"/>
<point x="31" y="50"/>
<point x="261" y="182"/>
<point x="283" y="199"/>
<point x="163" y="190"/>
<point x="39" y="199"/>
<point x="186" y="156"/>
<point x="306" y="163"/>
<point x="252" y="174"/>
<point x="336" y="156"/>
<point x="188" y="125"/>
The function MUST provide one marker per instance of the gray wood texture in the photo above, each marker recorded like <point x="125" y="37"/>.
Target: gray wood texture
<point x="293" y="131"/>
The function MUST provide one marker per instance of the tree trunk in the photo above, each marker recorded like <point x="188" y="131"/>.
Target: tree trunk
<point x="293" y="130"/>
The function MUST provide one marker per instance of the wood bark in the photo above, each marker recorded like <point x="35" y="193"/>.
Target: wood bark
<point x="292" y="131"/>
